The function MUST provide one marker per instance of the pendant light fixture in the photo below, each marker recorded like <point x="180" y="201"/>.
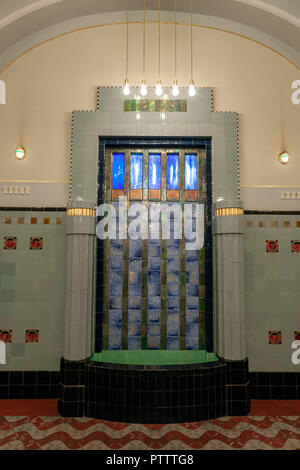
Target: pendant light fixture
<point x="175" y="88"/>
<point x="144" y="90"/>
<point x="126" y="87"/>
<point x="192" y="90"/>
<point x="158" y="89"/>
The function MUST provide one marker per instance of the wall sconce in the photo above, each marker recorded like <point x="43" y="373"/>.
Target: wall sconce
<point x="20" y="153"/>
<point x="284" y="158"/>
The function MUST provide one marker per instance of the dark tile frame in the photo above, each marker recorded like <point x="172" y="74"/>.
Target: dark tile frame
<point x="139" y="141"/>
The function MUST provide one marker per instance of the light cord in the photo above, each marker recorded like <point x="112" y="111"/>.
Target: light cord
<point x="192" y="65"/>
<point x="126" y="40"/>
<point x="144" y="43"/>
<point x="159" y="39"/>
<point x="175" y="39"/>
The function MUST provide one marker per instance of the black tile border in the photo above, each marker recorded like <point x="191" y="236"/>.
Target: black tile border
<point x="275" y="385"/>
<point x="29" y="384"/>
<point x="33" y="209"/>
<point x="77" y="386"/>
<point x="255" y="212"/>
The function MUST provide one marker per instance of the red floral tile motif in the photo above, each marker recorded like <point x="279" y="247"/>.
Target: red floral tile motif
<point x="6" y="336"/>
<point x="297" y="335"/>
<point x="32" y="336"/>
<point x="10" y="243"/>
<point x="295" y="246"/>
<point x="272" y="246"/>
<point x="36" y="243"/>
<point x="275" y="337"/>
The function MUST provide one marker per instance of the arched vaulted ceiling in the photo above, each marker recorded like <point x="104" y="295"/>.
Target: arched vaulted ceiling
<point x="26" y="23"/>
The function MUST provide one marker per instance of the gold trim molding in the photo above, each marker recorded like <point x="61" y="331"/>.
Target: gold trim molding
<point x="267" y="186"/>
<point x="229" y="211"/>
<point x="80" y="211"/>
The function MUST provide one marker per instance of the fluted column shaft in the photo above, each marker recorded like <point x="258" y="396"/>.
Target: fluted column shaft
<point x="228" y="259"/>
<point x="80" y="266"/>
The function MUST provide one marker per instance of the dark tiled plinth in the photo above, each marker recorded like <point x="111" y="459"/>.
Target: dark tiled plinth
<point x="237" y="388"/>
<point x="71" y="391"/>
<point x="156" y="394"/>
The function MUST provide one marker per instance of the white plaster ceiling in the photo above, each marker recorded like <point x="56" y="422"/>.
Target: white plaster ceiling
<point x="276" y="20"/>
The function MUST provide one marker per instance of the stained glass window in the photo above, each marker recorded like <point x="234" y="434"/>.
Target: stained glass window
<point x="136" y="171"/>
<point x="154" y="171"/>
<point x="172" y="171"/>
<point x="118" y="170"/>
<point x="191" y="172"/>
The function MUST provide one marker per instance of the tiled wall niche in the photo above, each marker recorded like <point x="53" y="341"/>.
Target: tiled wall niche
<point x="32" y="288"/>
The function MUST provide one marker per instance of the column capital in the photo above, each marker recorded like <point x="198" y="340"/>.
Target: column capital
<point x="81" y="219"/>
<point x="228" y="217"/>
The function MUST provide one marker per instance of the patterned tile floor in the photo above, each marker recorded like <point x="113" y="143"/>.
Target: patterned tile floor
<point x="234" y="433"/>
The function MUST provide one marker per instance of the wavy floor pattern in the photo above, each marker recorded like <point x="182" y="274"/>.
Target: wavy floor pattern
<point x="234" y="433"/>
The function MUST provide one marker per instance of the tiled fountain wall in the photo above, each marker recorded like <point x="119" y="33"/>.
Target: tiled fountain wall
<point x="115" y="118"/>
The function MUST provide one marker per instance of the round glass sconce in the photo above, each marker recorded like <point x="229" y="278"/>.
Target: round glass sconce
<point x="284" y="158"/>
<point x="20" y="153"/>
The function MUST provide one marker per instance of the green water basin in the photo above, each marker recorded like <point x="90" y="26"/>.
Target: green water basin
<point x="154" y="357"/>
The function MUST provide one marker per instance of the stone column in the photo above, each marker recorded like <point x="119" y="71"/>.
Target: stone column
<point x="79" y="305"/>
<point x="229" y="309"/>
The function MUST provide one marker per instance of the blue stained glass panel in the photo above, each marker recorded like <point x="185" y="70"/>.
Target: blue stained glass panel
<point x="191" y="171"/>
<point x="118" y="170"/>
<point x="172" y="171"/>
<point x="154" y="171"/>
<point x="136" y="171"/>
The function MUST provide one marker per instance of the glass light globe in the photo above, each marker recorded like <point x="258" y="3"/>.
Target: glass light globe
<point x="20" y="153"/>
<point x="192" y="90"/>
<point x="284" y="158"/>
<point x="126" y="87"/>
<point x="144" y="90"/>
<point x="158" y="89"/>
<point x="175" y="89"/>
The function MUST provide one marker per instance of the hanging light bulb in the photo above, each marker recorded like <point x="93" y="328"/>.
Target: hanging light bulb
<point x="158" y="89"/>
<point x="192" y="90"/>
<point x="126" y="87"/>
<point x="175" y="88"/>
<point x="144" y="90"/>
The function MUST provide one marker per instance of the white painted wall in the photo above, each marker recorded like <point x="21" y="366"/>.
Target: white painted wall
<point x="47" y="83"/>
